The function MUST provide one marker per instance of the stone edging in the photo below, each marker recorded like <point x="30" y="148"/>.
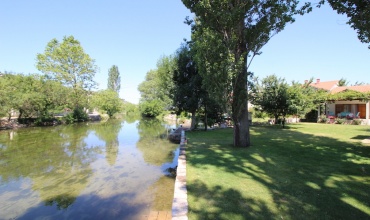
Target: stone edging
<point x="180" y="197"/>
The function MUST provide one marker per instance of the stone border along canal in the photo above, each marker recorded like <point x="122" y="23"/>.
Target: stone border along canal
<point x="180" y="198"/>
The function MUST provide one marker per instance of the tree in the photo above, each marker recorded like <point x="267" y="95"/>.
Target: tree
<point x="358" y="13"/>
<point x="114" y="79"/>
<point x="272" y="96"/>
<point x="31" y="95"/>
<point x="342" y="82"/>
<point x="188" y="91"/>
<point x="67" y="63"/>
<point x="151" y="108"/>
<point x="108" y="101"/>
<point x="166" y="65"/>
<point x="243" y="27"/>
<point x="158" y="84"/>
<point x="302" y="98"/>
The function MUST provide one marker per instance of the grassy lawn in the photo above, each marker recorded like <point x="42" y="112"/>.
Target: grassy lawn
<point x="306" y="171"/>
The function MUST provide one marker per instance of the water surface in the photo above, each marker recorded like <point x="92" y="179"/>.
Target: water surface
<point x="114" y="170"/>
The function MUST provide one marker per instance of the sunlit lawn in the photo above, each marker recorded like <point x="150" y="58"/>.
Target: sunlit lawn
<point x="307" y="171"/>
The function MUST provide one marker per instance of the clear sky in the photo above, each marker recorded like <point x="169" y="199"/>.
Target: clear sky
<point x="134" y="34"/>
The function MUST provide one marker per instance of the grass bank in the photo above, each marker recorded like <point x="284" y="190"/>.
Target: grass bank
<point x="307" y="171"/>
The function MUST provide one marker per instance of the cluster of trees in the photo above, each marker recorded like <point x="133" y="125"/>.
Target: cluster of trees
<point x="226" y="36"/>
<point x="67" y="83"/>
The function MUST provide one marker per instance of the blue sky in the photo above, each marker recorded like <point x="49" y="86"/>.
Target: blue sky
<point x="134" y="34"/>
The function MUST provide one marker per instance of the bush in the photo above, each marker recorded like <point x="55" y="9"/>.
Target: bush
<point x="151" y="108"/>
<point x="68" y="119"/>
<point x="256" y="113"/>
<point x="80" y="115"/>
<point x="46" y="121"/>
<point x="340" y="120"/>
<point x="356" y="121"/>
<point x="322" y="119"/>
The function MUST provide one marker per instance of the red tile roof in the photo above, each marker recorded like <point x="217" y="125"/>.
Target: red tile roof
<point x="328" y="85"/>
<point x="332" y="87"/>
<point x="361" y="88"/>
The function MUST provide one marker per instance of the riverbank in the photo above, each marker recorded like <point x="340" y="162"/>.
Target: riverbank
<point x="6" y="124"/>
<point x="15" y="123"/>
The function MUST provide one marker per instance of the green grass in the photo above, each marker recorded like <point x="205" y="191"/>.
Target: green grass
<point x="307" y="171"/>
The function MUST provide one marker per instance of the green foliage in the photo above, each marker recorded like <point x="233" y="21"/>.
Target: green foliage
<point x="356" y="121"/>
<point x="349" y="95"/>
<point x="303" y="98"/>
<point x="257" y="113"/>
<point x="340" y="121"/>
<point x="237" y="30"/>
<point x="130" y="108"/>
<point x="342" y="82"/>
<point x="358" y="14"/>
<point x="31" y="95"/>
<point x="322" y="119"/>
<point x="158" y="84"/>
<point x="79" y="115"/>
<point x="108" y="101"/>
<point x="114" y="79"/>
<point x="188" y="91"/>
<point x="151" y="108"/>
<point x="272" y="96"/>
<point x="67" y="63"/>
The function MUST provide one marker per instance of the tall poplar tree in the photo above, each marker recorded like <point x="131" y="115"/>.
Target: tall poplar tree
<point x="114" y="79"/>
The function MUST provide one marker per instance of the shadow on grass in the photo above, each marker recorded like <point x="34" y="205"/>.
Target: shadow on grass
<point x="304" y="176"/>
<point x="361" y="137"/>
<point x="226" y="203"/>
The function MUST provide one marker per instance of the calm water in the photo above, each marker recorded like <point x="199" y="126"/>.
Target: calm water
<point x="114" y="170"/>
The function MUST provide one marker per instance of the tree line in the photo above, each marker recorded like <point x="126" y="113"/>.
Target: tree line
<point x="65" y="85"/>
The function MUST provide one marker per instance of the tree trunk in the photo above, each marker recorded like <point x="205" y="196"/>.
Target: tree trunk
<point x="205" y="117"/>
<point x="240" y="111"/>
<point x="20" y="114"/>
<point x="193" y="120"/>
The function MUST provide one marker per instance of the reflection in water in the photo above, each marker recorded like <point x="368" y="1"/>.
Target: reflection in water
<point x="154" y="143"/>
<point x="61" y="201"/>
<point x="111" y="170"/>
<point x="108" y="132"/>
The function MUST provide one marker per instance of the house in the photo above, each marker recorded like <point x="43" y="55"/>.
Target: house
<point x="344" y="108"/>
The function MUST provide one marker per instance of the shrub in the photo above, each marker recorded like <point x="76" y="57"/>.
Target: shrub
<point x="80" y="115"/>
<point x="356" y="121"/>
<point x="322" y="119"/>
<point x="340" y="120"/>
<point x="151" y="108"/>
<point x="46" y="120"/>
<point x="68" y="119"/>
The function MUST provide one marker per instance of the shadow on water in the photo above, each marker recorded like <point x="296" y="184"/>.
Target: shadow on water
<point x="62" y="169"/>
<point x="318" y="178"/>
<point x="94" y="208"/>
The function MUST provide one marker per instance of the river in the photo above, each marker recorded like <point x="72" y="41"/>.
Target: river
<point x="112" y="170"/>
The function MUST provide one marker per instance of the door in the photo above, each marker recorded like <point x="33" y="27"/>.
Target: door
<point x="362" y="110"/>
